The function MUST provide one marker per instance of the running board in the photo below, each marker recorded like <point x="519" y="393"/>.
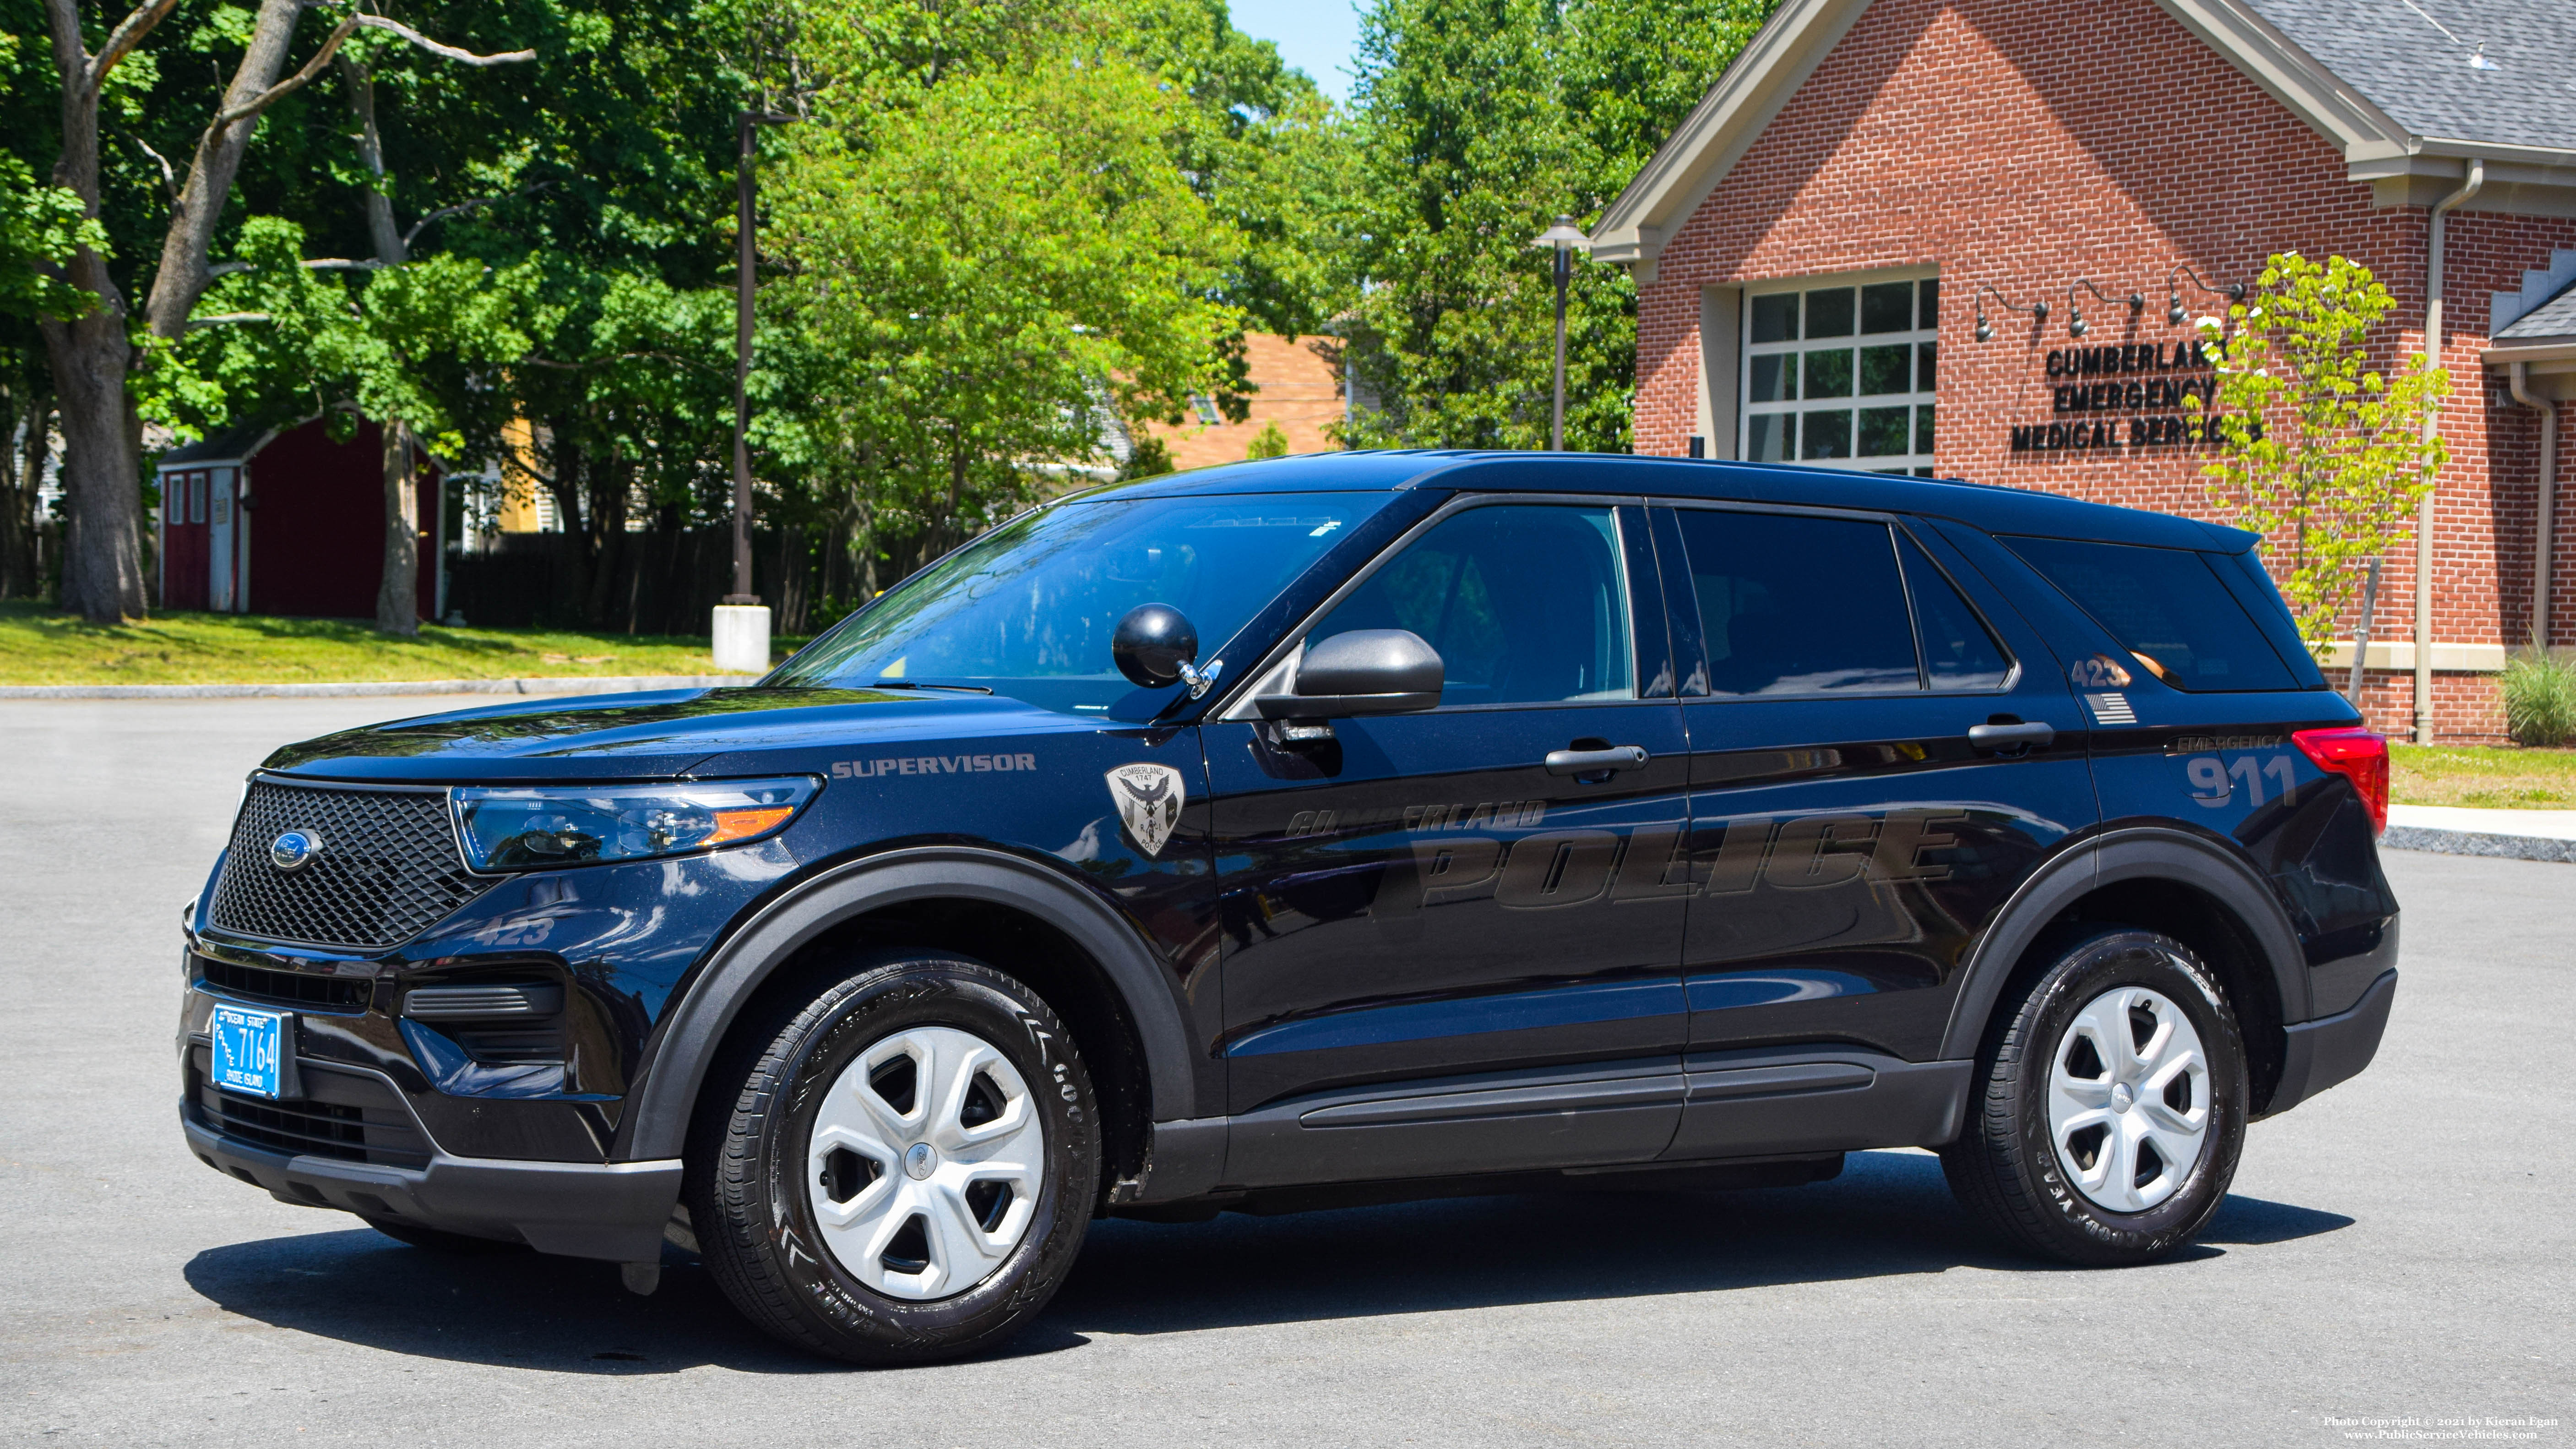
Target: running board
<point x="1709" y="1106"/>
<point x="1811" y="1099"/>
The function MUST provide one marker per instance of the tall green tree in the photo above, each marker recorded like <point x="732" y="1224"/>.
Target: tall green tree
<point x="1011" y="226"/>
<point x="997" y="269"/>
<point x="97" y="352"/>
<point x="587" y="188"/>
<point x="1478" y="121"/>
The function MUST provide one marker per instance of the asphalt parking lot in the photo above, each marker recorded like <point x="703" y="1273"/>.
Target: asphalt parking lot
<point x="2399" y="1249"/>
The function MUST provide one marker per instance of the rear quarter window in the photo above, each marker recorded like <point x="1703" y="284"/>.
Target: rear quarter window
<point x="2167" y="606"/>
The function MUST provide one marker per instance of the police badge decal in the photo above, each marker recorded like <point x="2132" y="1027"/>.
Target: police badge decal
<point x="1149" y="802"/>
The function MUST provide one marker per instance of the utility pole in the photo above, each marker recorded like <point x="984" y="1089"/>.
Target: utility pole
<point x="741" y="624"/>
<point x="745" y="249"/>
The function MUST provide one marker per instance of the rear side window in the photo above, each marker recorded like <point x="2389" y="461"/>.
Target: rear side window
<point x="1792" y="604"/>
<point x="2166" y="606"/>
<point x="1959" y="651"/>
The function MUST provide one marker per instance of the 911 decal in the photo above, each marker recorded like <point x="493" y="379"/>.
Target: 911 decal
<point x="2214" y="780"/>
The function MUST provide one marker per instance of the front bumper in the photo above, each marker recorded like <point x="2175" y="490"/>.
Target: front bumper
<point x="2332" y="1049"/>
<point x="614" y="1211"/>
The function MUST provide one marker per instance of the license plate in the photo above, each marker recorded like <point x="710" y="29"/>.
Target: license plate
<point x="249" y="1050"/>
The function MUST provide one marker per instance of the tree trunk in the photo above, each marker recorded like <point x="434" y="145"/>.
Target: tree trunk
<point x="102" y="496"/>
<point x="91" y="356"/>
<point x="564" y="481"/>
<point x="398" y="592"/>
<point x="610" y="485"/>
<point x="184" y="272"/>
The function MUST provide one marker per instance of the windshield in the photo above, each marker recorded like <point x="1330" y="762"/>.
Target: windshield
<point x="1027" y="609"/>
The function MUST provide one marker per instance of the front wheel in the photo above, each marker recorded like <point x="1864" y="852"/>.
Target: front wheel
<point x="904" y="1167"/>
<point x="2112" y="1105"/>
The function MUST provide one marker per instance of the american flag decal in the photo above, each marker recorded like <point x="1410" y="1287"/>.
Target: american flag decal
<point x="2111" y="708"/>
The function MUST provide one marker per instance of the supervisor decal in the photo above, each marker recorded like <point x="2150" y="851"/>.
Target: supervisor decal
<point x="930" y="765"/>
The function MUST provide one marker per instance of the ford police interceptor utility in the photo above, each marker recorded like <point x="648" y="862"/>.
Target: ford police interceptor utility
<point x="1323" y="830"/>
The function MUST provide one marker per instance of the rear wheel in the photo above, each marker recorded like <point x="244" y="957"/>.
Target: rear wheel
<point x="2112" y="1108"/>
<point x="903" y="1168"/>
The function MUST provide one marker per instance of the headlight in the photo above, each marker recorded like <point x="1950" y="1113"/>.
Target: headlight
<point x="539" y="829"/>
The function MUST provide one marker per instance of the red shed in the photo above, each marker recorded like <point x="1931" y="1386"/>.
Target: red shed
<point x="288" y="522"/>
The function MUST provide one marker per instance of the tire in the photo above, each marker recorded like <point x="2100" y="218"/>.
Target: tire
<point x="439" y="1240"/>
<point x="2085" y="1145"/>
<point x="900" y="1169"/>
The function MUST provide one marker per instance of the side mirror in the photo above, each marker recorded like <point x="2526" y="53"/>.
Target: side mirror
<point x="1366" y="671"/>
<point x="1155" y="644"/>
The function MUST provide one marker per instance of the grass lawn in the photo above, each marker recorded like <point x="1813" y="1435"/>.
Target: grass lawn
<point x="41" y="647"/>
<point x="2485" y="776"/>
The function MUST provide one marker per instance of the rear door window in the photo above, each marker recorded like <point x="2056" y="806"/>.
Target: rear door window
<point x="2168" y="607"/>
<point x="1798" y="604"/>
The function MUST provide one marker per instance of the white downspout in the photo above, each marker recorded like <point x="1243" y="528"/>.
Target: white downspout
<point x="2541" y="543"/>
<point x="2477" y="177"/>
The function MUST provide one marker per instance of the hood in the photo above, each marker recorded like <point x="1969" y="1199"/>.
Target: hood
<point x="654" y="735"/>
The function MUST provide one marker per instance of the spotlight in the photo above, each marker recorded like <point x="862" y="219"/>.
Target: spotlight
<point x="1985" y="326"/>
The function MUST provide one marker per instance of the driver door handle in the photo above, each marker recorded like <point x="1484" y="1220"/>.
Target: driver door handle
<point x="2036" y="735"/>
<point x="1596" y="762"/>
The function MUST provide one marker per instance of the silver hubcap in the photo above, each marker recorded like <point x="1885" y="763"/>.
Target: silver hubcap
<point x="2128" y="1099"/>
<point x="925" y="1163"/>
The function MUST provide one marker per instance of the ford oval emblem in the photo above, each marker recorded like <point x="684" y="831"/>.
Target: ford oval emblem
<point x="294" y="849"/>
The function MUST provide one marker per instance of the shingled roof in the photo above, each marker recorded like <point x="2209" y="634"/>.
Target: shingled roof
<point x="2409" y="90"/>
<point x="2502" y="72"/>
<point x="2555" y="318"/>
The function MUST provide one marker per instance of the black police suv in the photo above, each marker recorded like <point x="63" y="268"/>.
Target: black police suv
<point x="1321" y="830"/>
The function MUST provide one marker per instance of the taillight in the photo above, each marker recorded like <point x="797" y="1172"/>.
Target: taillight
<point x="2357" y="754"/>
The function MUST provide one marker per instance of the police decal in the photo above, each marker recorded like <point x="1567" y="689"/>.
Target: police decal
<point x="1149" y="802"/>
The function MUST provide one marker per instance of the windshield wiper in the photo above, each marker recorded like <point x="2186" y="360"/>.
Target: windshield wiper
<point x="924" y="684"/>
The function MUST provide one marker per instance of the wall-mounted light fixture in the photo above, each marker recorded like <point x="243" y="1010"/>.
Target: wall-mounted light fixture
<point x="1985" y="328"/>
<point x="2174" y="310"/>
<point x="2076" y="326"/>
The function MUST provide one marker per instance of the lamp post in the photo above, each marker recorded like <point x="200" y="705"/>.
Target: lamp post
<point x="1564" y="237"/>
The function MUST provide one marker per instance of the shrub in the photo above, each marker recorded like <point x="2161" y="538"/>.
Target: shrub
<point x="2540" y="699"/>
<point x="1270" y="442"/>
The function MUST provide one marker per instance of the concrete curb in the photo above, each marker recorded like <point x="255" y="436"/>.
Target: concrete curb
<point x="2467" y="842"/>
<point x="570" y="684"/>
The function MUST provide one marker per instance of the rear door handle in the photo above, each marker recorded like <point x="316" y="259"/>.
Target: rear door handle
<point x="1596" y="762"/>
<point x="2037" y="735"/>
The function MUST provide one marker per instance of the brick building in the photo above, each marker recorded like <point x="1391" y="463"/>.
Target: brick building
<point x="1296" y="387"/>
<point x="1881" y="196"/>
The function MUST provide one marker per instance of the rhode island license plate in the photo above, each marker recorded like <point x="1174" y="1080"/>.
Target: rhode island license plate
<point x="249" y="1050"/>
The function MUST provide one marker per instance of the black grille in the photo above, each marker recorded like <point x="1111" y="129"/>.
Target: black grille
<point x="387" y="870"/>
<point x="324" y="1129"/>
<point x="286" y="988"/>
<point x="510" y="1044"/>
<point x="347" y="1115"/>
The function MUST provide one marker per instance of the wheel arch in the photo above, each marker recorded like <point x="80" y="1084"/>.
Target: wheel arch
<point x="2165" y="880"/>
<point x="894" y="890"/>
